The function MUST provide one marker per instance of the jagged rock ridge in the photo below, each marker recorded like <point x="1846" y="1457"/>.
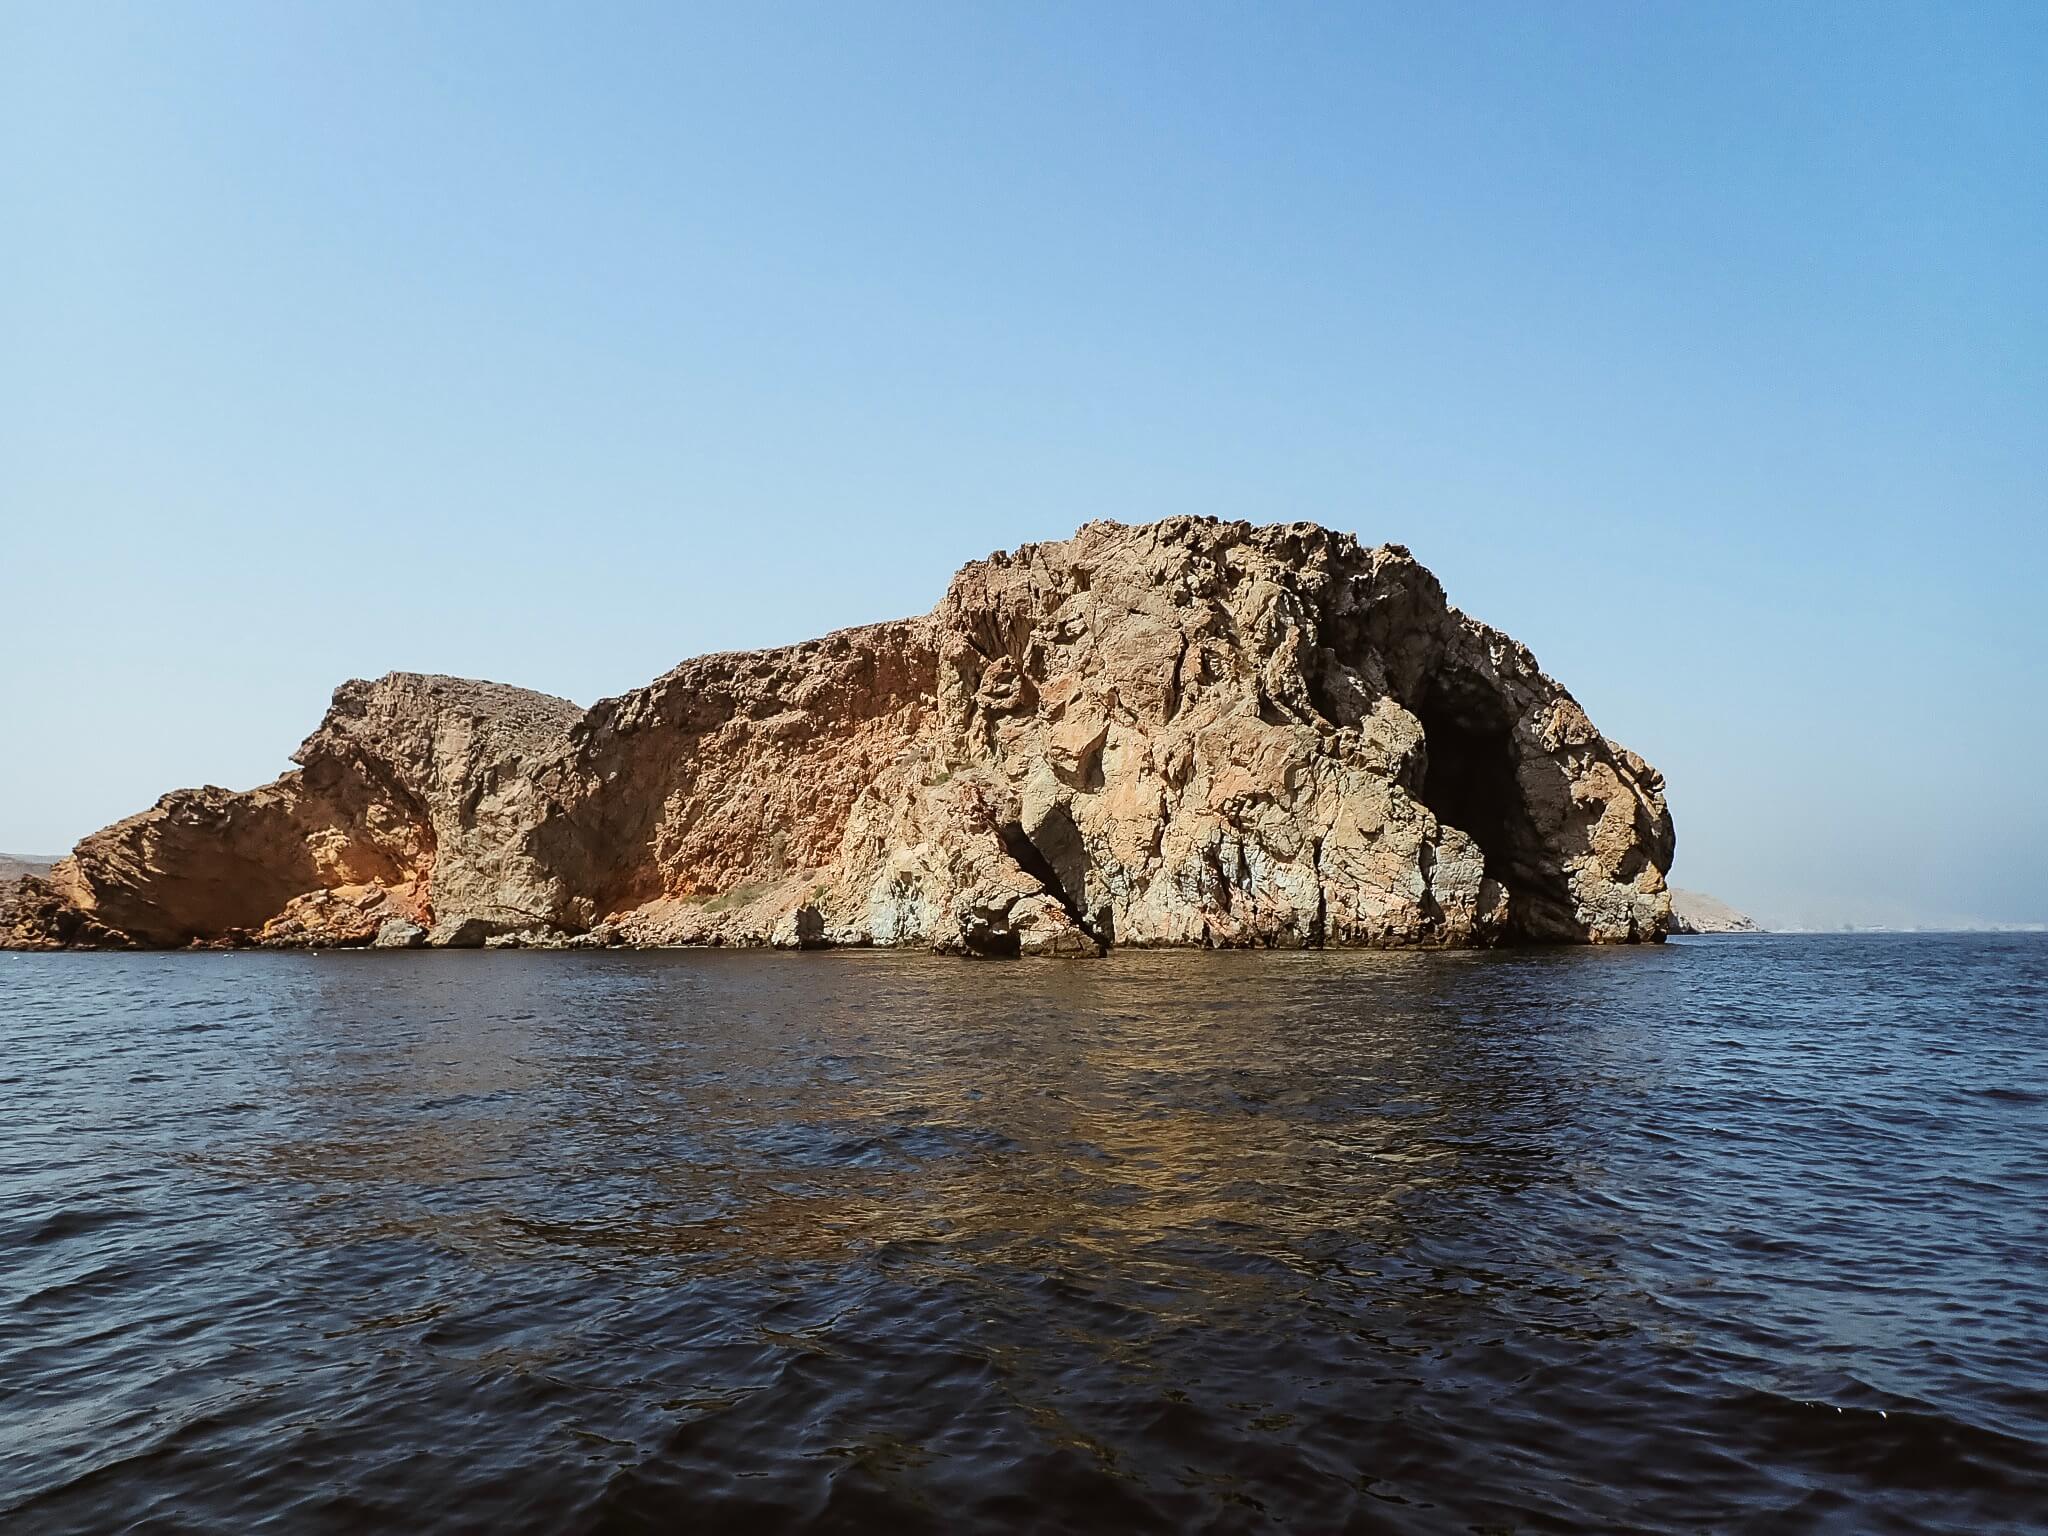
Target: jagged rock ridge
<point x="1187" y="733"/>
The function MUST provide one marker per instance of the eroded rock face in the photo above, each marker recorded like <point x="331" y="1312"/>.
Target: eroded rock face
<point x="1189" y="733"/>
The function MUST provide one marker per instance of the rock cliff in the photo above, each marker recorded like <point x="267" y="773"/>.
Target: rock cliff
<point x="1697" y="912"/>
<point x="1188" y="733"/>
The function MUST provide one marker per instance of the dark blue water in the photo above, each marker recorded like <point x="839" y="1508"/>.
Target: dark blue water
<point x="1732" y="1235"/>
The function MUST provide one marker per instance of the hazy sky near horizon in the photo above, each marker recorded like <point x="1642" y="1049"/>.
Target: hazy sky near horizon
<point x="1702" y="347"/>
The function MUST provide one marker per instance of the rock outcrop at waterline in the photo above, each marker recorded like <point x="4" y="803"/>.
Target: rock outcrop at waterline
<point x="1695" y="912"/>
<point x="1188" y="733"/>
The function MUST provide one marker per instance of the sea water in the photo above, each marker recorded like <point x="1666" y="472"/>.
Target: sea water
<point x="1729" y="1234"/>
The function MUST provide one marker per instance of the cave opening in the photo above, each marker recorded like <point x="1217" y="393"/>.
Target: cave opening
<point x="1471" y="783"/>
<point x="1035" y="860"/>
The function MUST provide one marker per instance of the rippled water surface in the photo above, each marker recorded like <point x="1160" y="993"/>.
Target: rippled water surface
<point x="1735" y="1234"/>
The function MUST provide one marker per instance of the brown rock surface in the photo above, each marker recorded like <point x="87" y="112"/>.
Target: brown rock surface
<point x="1191" y="732"/>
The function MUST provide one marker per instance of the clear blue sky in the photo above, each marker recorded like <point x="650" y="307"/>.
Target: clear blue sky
<point x="1703" y="347"/>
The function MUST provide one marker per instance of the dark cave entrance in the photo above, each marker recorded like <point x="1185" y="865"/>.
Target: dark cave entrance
<point x="1471" y="780"/>
<point x="1471" y="783"/>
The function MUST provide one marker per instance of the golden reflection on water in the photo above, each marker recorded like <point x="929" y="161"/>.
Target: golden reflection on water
<point x="1175" y="1115"/>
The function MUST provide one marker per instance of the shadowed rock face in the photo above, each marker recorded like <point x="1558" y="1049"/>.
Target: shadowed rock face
<point x="1190" y="733"/>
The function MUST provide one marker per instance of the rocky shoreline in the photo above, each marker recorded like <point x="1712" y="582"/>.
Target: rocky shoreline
<point x="1192" y="733"/>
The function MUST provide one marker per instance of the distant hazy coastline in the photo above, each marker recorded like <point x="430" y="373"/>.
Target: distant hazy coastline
<point x="1697" y="912"/>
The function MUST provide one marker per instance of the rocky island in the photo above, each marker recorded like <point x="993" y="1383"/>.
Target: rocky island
<point x="1695" y="912"/>
<point x="1187" y="733"/>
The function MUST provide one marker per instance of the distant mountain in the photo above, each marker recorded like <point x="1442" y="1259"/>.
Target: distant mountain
<point x="14" y="865"/>
<point x="1694" y="912"/>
